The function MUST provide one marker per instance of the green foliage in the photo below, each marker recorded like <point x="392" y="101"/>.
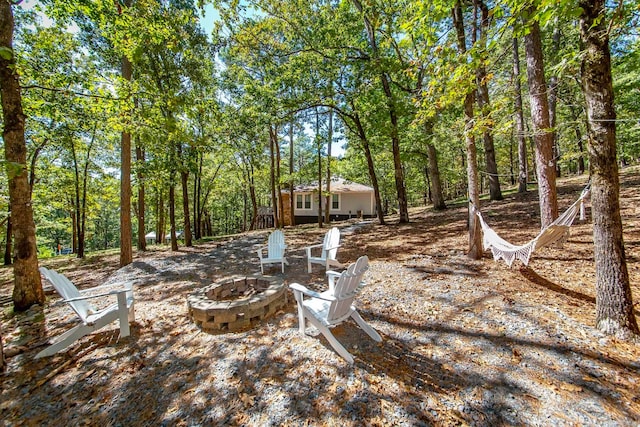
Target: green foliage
<point x="206" y="106"/>
<point x="6" y="53"/>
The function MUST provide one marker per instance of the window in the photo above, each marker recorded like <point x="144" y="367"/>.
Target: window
<point x="335" y="201"/>
<point x="303" y="201"/>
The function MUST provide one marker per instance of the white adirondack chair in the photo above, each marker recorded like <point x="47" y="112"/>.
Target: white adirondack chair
<point x="275" y="251"/>
<point x="91" y="318"/>
<point x="328" y="251"/>
<point x="334" y="306"/>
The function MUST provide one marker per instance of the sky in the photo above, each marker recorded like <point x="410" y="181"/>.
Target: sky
<point x="210" y="16"/>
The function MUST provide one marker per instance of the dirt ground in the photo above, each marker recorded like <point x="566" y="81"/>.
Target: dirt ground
<point x="464" y="342"/>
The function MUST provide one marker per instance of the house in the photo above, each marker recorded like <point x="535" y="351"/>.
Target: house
<point x="150" y="237"/>
<point x="348" y="200"/>
<point x="167" y="238"/>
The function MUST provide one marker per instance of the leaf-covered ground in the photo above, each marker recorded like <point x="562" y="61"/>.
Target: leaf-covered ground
<point x="464" y="342"/>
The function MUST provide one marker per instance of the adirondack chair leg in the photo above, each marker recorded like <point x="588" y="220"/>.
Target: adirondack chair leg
<point x="309" y="261"/>
<point x="339" y="348"/>
<point x="366" y="327"/>
<point x="65" y="340"/>
<point x="123" y="315"/>
<point x="301" y="321"/>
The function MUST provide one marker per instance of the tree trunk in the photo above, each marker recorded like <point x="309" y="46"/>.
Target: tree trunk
<point x="403" y="206"/>
<point x="542" y="135"/>
<point x="74" y="230"/>
<point x="434" y="172"/>
<point x="292" y="202"/>
<point x="553" y="98"/>
<point x="161" y="217"/>
<point x="475" y="236"/>
<point x="327" y="202"/>
<point x="81" y="181"/>
<point x="278" y="185"/>
<point x="519" y="121"/>
<point x="8" y="247"/>
<point x="254" y="199"/>
<point x="319" y="152"/>
<point x="26" y="277"/>
<point x="574" y="119"/>
<point x="184" y="179"/>
<point x="614" y="304"/>
<point x="172" y="213"/>
<point x="142" y="240"/>
<point x="126" y="250"/>
<point x="434" y="175"/>
<point x="197" y="199"/>
<point x="495" y="193"/>
<point x="272" y="157"/>
<point x="79" y="249"/>
<point x="370" y="165"/>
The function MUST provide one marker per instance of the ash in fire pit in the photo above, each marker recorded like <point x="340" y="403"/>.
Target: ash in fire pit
<point x="236" y="303"/>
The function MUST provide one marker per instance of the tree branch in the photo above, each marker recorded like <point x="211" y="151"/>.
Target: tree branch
<point x="86" y="95"/>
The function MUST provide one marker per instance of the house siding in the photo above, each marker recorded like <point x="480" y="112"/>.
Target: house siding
<point x="352" y="203"/>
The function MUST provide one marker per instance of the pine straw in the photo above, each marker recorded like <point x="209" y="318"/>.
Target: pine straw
<point x="464" y="342"/>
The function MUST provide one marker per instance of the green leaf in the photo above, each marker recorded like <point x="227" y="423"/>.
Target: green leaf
<point x="13" y="169"/>
<point x="6" y="53"/>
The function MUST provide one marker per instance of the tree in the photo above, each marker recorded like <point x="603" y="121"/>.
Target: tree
<point x="545" y="164"/>
<point x="140" y="159"/>
<point x="292" y="202"/>
<point x="378" y="60"/>
<point x="81" y="177"/>
<point x="126" y="241"/>
<point x="434" y="170"/>
<point x="27" y="283"/>
<point x="475" y="236"/>
<point x="483" y="101"/>
<point x="519" y="120"/>
<point x="614" y="305"/>
<point x="327" y="202"/>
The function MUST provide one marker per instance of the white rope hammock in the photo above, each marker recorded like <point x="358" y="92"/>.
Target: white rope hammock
<point x="558" y="229"/>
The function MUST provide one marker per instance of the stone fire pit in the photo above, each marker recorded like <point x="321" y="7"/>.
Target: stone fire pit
<point x="236" y="303"/>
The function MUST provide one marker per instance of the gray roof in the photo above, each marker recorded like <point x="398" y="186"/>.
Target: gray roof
<point x="338" y="185"/>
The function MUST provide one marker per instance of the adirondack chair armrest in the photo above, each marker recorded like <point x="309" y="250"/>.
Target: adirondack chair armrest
<point x="296" y="287"/>
<point x="308" y="248"/>
<point x="319" y="245"/>
<point x="332" y="276"/>
<point x="85" y="297"/>
<point x="119" y="285"/>
<point x="333" y="247"/>
<point x="260" y="249"/>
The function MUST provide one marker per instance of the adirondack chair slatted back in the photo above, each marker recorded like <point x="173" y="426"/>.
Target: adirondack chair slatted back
<point x="330" y="244"/>
<point x="346" y="288"/>
<point x="276" y="245"/>
<point x="67" y="291"/>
